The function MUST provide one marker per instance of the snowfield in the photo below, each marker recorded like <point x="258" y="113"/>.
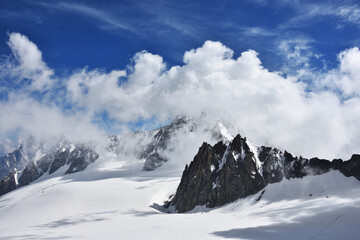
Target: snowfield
<point x="119" y="201"/>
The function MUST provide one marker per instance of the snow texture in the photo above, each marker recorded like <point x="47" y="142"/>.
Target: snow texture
<point x="118" y="201"/>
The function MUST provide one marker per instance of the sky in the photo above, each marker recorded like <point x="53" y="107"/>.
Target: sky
<point x="286" y="73"/>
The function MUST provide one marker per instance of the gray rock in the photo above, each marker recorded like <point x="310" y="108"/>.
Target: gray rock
<point x="216" y="177"/>
<point x="78" y="160"/>
<point x="8" y="184"/>
<point x="12" y="162"/>
<point x="152" y="152"/>
<point x="221" y="174"/>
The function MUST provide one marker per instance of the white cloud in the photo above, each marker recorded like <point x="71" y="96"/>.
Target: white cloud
<point x="100" y="91"/>
<point x="27" y="117"/>
<point x="346" y="78"/>
<point x="307" y="13"/>
<point x="30" y="61"/>
<point x="258" y="31"/>
<point x="105" y="18"/>
<point x="269" y="108"/>
<point x="266" y="106"/>
<point x="297" y="50"/>
<point x="349" y="13"/>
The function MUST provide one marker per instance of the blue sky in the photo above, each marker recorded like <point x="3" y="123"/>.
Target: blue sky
<point x="84" y="69"/>
<point x="106" y="34"/>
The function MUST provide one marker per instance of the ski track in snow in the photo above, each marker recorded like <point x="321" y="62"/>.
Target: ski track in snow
<point x="115" y="203"/>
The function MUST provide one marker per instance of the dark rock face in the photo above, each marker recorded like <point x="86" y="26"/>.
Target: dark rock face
<point x="12" y="162"/>
<point x="152" y="151"/>
<point x="8" y="184"/>
<point x="272" y="164"/>
<point x="78" y="159"/>
<point x="221" y="174"/>
<point x="351" y="167"/>
<point x="153" y="161"/>
<point x="217" y="176"/>
<point x="59" y="160"/>
<point x="81" y="158"/>
<point x="34" y="170"/>
<point x="17" y="160"/>
<point x="197" y="178"/>
<point x="153" y="146"/>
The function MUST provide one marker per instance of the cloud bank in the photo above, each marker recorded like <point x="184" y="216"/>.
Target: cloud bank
<point x="268" y="107"/>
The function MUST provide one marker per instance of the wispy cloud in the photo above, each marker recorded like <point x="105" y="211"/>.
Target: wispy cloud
<point x="105" y="19"/>
<point x="28" y="16"/>
<point x="257" y="31"/>
<point x="161" y="18"/>
<point x="175" y="16"/>
<point x="349" y="14"/>
<point x="296" y="49"/>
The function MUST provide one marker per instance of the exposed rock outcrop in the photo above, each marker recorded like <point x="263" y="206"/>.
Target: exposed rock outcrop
<point x="12" y="162"/>
<point x="153" y="151"/>
<point x="154" y="146"/>
<point x="18" y="159"/>
<point x="218" y="175"/>
<point x="221" y="174"/>
<point x="8" y="184"/>
<point x="76" y="157"/>
<point x="80" y="158"/>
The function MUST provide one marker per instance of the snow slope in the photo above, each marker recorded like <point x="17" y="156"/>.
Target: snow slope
<point x="115" y="200"/>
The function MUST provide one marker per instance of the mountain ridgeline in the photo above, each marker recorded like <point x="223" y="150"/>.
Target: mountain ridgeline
<point x="75" y="157"/>
<point x="31" y="161"/>
<point x="152" y="146"/>
<point x="231" y="169"/>
<point x="222" y="173"/>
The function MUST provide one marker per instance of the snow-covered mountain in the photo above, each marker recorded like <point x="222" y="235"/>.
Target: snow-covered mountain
<point x="223" y="173"/>
<point x="111" y="203"/>
<point x="230" y="189"/>
<point x="158" y="146"/>
<point x="19" y="158"/>
<point x="73" y="157"/>
<point x="152" y="148"/>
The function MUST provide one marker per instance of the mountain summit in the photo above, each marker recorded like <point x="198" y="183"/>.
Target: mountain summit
<point x="221" y="174"/>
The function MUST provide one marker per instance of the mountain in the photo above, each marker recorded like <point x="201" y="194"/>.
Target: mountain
<point x="154" y="147"/>
<point x="107" y="202"/>
<point x="19" y="158"/>
<point x="75" y="158"/>
<point x="12" y="162"/>
<point x="268" y="193"/>
<point x="221" y="174"/>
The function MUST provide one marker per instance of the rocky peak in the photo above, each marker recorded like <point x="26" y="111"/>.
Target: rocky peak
<point x="221" y="174"/>
<point x="154" y="151"/>
<point x="12" y="162"/>
<point x="218" y="175"/>
<point x="155" y="146"/>
<point x="18" y="159"/>
<point x="76" y="157"/>
<point x="8" y="184"/>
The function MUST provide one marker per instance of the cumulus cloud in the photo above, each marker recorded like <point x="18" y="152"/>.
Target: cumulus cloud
<point x="30" y="62"/>
<point x="265" y="106"/>
<point x="346" y="78"/>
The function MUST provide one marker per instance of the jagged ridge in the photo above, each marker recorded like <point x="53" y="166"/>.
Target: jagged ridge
<point x="76" y="157"/>
<point x="152" y="146"/>
<point x="221" y="174"/>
